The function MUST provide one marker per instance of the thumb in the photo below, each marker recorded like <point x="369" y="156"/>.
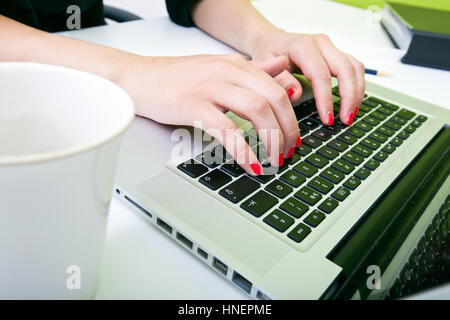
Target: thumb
<point x="273" y="66"/>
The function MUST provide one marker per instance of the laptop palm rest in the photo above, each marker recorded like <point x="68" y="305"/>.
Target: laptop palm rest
<point x="218" y="228"/>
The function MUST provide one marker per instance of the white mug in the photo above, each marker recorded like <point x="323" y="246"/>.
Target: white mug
<point x="60" y="131"/>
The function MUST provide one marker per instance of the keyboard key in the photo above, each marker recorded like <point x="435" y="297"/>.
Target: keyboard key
<point x="341" y="193"/>
<point x="215" y="179"/>
<point x="364" y="108"/>
<point x="317" y="160"/>
<point x="406" y="114"/>
<point x="364" y="126"/>
<point x="370" y="143"/>
<point x="371" y="103"/>
<point x="303" y="130"/>
<point x="339" y="124"/>
<point x="386" y="131"/>
<point x="378" y="137"/>
<point x="356" y="132"/>
<point x="290" y="161"/>
<point x="299" y="233"/>
<point x="352" y="183"/>
<point x="410" y="129"/>
<point x="306" y="169"/>
<point x="233" y="168"/>
<point x="312" y="142"/>
<point x="372" y="164"/>
<point x="404" y="135"/>
<point x="391" y="106"/>
<point x="422" y="118"/>
<point x="378" y="115"/>
<point x="193" y="168"/>
<point x="396" y="141"/>
<point x="321" y="185"/>
<point x="303" y="150"/>
<point x="338" y="145"/>
<point x="381" y="156"/>
<point x="362" y="150"/>
<point x="371" y="120"/>
<point x="362" y="173"/>
<point x="309" y="123"/>
<point x="321" y="134"/>
<point x="293" y="178"/>
<point x="389" y="148"/>
<point x="294" y="207"/>
<point x="259" y="203"/>
<point x="308" y="195"/>
<point x="347" y="138"/>
<point x="210" y="159"/>
<point x="278" y="188"/>
<point x="239" y="189"/>
<point x="314" y="218"/>
<point x="353" y="158"/>
<point x="263" y="178"/>
<point x="400" y="120"/>
<point x="393" y="125"/>
<point x="279" y="220"/>
<point x="332" y="174"/>
<point x="332" y="129"/>
<point x="328" y="153"/>
<point x="328" y="205"/>
<point x="343" y="166"/>
<point x="385" y="111"/>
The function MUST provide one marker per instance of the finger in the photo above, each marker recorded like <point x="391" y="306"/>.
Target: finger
<point x="360" y="80"/>
<point x="218" y="125"/>
<point x="290" y="84"/>
<point x="342" y="68"/>
<point x="251" y="106"/>
<point x="309" y="59"/>
<point x="272" y="66"/>
<point x="253" y="79"/>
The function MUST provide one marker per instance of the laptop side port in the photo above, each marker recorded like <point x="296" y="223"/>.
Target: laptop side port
<point x="164" y="225"/>
<point x="220" y="266"/>
<point x="138" y="206"/>
<point x="188" y="243"/>
<point x="202" y="253"/>
<point x="262" y="296"/>
<point x="241" y="282"/>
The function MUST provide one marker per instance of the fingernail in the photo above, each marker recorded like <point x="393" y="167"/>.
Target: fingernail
<point x="256" y="167"/>
<point x="299" y="142"/>
<point x="356" y="110"/>
<point x="290" y="92"/>
<point x="291" y="152"/>
<point x="350" y="118"/>
<point x="281" y="159"/>
<point x="330" y="118"/>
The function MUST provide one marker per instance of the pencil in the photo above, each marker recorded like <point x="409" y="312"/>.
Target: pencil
<point x="377" y="73"/>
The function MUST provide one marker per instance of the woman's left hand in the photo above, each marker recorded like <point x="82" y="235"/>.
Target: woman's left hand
<point x="317" y="59"/>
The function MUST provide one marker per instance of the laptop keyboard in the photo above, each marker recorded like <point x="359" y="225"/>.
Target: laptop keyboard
<point x="332" y="162"/>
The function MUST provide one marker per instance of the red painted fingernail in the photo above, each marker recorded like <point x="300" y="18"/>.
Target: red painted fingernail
<point x="356" y="110"/>
<point x="350" y="118"/>
<point x="290" y="92"/>
<point x="330" y="118"/>
<point x="299" y="142"/>
<point x="281" y="159"/>
<point x="291" y="152"/>
<point x="256" y="167"/>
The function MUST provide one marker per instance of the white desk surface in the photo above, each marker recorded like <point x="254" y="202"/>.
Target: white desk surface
<point x="140" y="262"/>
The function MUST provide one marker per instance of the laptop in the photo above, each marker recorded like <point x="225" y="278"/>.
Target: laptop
<point x="360" y="211"/>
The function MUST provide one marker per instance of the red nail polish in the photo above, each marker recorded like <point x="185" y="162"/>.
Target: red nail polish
<point x="256" y="167"/>
<point x="290" y="92"/>
<point x="281" y="159"/>
<point x="291" y="152"/>
<point x="299" y="142"/>
<point x="330" y="118"/>
<point x="356" y="110"/>
<point x="350" y="118"/>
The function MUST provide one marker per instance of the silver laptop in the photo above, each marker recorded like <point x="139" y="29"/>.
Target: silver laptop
<point x="323" y="224"/>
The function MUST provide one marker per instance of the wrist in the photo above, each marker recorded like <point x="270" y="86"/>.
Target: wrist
<point x="262" y="40"/>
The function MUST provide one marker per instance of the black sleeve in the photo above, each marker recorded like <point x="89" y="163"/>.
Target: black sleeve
<point x="180" y="11"/>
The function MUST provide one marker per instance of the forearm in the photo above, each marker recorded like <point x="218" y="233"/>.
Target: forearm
<point x="234" y="22"/>
<point x="19" y="42"/>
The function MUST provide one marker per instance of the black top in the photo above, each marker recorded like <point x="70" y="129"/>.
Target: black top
<point x="51" y="16"/>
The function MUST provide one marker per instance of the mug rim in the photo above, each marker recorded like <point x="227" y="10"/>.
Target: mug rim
<point x="70" y="151"/>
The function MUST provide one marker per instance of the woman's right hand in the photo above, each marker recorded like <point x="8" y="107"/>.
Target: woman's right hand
<point x="198" y="89"/>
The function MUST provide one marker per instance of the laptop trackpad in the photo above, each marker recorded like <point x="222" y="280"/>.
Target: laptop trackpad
<point x="216" y="226"/>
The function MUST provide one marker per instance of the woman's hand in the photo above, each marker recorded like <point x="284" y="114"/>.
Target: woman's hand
<point x="318" y="59"/>
<point x="193" y="89"/>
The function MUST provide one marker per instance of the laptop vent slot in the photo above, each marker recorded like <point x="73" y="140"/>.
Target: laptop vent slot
<point x="164" y="225"/>
<point x="241" y="282"/>
<point x="188" y="243"/>
<point x="138" y="206"/>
